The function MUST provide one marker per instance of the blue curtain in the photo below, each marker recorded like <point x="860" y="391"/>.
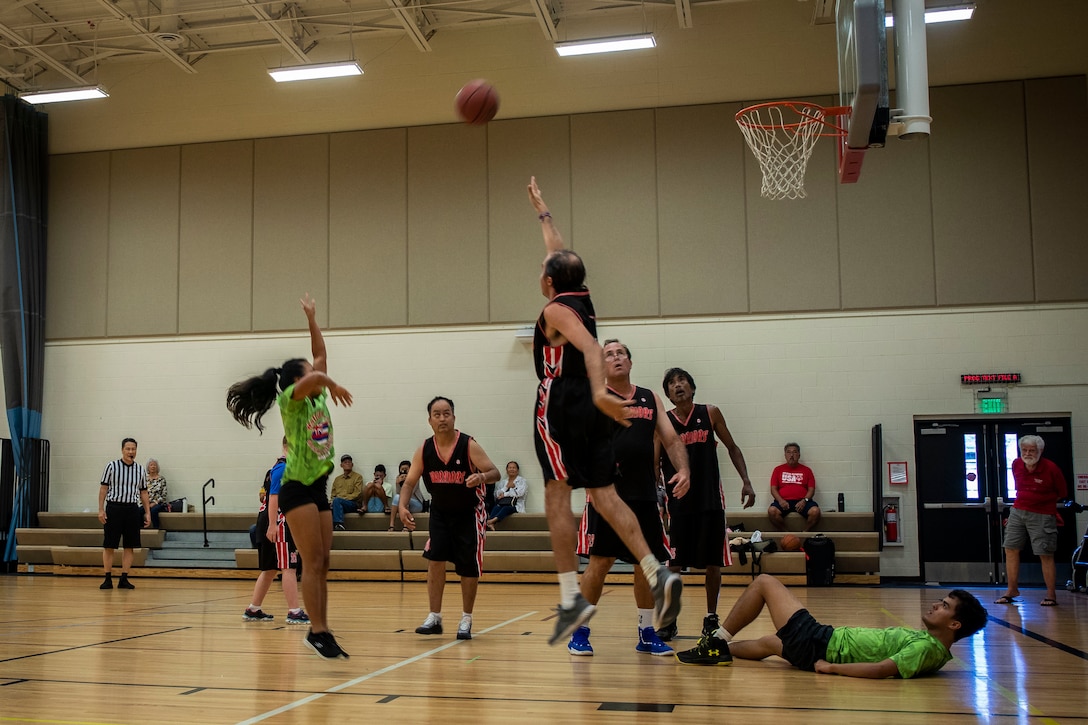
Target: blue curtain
<point x="24" y="163"/>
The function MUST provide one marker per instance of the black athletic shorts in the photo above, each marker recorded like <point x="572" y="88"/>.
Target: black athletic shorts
<point x="809" y="505"/>
<point x="804" y="640"/>
<point x="275" y="556"/>
<point x="296" y="493"/>
<point x="573" y="438"/>
<point x="457" y="536"/>
<point x="596" y="537"/>
<point x="123" y="521"/>
<point x="699" y="540"/>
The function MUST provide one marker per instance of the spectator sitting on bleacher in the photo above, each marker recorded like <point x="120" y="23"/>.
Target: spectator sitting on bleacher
<point x="377" y="493"/>
<point x="347" y="488"/>
<point x="156" y="491"/>
<point x="792" y="486"/>
<point x="509" y="495"/>
<point x="416" y="503"/>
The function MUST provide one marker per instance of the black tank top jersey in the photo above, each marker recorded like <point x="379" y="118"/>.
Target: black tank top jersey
<point x="445" y="478"/>
<point x="634" y="448"/>
<point x="563" y="361"/>
<point x="697" y="433"/>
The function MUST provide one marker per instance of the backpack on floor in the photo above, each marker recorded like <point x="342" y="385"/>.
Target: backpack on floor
<point x="819" y="561"/>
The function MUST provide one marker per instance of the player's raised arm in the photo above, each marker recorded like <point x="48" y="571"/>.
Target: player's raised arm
<point x="553" y="241"/>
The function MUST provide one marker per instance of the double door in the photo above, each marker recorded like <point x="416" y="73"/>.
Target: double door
<point x="965" y="488"/>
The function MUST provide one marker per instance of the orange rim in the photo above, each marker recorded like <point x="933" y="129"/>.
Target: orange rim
<point x="809" y="112"/>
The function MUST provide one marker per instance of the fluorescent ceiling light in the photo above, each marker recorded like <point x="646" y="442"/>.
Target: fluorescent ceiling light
<point x="939" y="15"/>
<point x="605" y="45"/>
<point x="64" y="94"/>
<point x="320" y="70"/>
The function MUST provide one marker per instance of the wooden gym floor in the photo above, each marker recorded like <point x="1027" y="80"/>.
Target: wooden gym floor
<point x="177" y="651"/>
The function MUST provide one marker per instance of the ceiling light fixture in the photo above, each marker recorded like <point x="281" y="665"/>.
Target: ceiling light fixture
<point x="319" y="70"/>
<point x="64" y="94"/>
<point x="946" y="14"/>
<point x="606" y="45"/>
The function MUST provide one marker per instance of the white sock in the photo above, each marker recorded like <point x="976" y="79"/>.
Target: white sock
<point x="253" y="607"/>
<point x="650" y="565"/>
<point x="466" y="615"/>
<point x="720" y="633"/>
<point x="434" y="617"/>
<point x="568" y="588"/>
<point x="645" y="618"/>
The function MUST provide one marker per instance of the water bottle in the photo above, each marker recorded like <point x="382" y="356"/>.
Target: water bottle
<point x="842" y="502"/>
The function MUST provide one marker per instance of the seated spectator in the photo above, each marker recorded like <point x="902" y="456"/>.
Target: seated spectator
<point x="347" y="488"/>
<point x="156" y="492"/>
<point x="377" y="493"/>
<point x="416" y="503"/>
<point x="792" y="486"/>
<point x="509" y="495"/>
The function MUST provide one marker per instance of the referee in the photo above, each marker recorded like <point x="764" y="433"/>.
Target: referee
<point x="122" y="493"/>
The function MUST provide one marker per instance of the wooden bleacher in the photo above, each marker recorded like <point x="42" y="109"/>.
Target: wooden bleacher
<point x="520" y="550"/>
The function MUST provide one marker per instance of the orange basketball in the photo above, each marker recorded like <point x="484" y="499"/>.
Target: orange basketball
<point x="477" y="102"/>
<point x="790" y="543"/>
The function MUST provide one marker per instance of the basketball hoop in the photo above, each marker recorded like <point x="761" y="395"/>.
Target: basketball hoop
<point x="782" y="135"/>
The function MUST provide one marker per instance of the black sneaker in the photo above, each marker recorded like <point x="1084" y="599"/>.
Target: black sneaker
<point x="107" y="583"/>
<point x="709" y="651"/>
<point x="710" y="624"/>
<point x="667" y="593"/>
<point x="125" y="583"/>
<point x="324" y="644"/>
<point x="339" y="527"/>
<point x="666" y="634"/>
<point x="431" y="625"/>
<point x="568" y="620"/>
<point x="258" y="615"/>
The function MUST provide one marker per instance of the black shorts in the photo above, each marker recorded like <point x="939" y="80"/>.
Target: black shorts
<point x="277" y="556"/>
<point x="573" y="438"/>
<point x="458" y="537"/>
<point x="809" y="505"/>
<point x="699" y="540"/>
<point x="123" y="521"/>
<point x="804" y="640"/>
<point x="296" y="493"/>
<point x="596" y="537"/>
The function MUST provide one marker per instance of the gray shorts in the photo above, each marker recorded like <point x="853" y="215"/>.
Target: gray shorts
<point x="1040" y="529"/>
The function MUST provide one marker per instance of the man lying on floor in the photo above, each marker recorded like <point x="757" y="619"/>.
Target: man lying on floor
<point x="851" y="651"/>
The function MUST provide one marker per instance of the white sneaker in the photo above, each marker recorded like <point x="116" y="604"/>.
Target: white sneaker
<point x="431" y="625"/>
<point x="464" y="629"/>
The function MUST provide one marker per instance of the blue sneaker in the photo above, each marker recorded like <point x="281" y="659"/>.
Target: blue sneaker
<point x="650" y="643"/>
<point x="579" y="643"/>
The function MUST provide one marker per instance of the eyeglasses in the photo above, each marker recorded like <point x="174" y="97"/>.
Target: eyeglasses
<point x="615" y="355"/>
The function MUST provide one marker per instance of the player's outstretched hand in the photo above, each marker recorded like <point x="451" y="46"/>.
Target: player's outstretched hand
<point x="340" y="395"/>
<point x="535" y="198"/>
<point x="616" y="409"/>
<point x="309" y="305"/>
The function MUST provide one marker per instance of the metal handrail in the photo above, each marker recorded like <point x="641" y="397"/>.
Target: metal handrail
<point x="204" y="505"/>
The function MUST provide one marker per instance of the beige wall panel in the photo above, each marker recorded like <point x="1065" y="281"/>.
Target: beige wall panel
<point x="215" y="276"/>
<point x="793" y="257"/>
<point x="1058" y="168"/>
<point x="614" y="216"/>
<point x="368" y="229"/>
<point x="447" y="224"/>
<point x="290" y="230"/>
<point x="700" y="196"/>
<point x="517" y="247"/>
<point x="142" y="295"/>
<point x="78" y="245"/>
<point x="981" y="220"/>
<point x="886" y="229"/>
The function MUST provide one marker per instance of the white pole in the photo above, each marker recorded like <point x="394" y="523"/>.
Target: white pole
<point x="911" y="68"/>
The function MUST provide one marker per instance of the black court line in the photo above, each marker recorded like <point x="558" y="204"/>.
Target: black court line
<point x="13" y="682"/>
<point x="193" y="691"/>
<point x="635" y="707"/>
<point x="388" y="698"/>
<point x="1040" y="637"/>
<point x="95" y="644"/>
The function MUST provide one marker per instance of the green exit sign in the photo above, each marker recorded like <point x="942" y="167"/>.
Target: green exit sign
<point x="991" y="405"/>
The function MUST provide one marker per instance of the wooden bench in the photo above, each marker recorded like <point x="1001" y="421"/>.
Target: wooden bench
<point x="150" y="538"/>
<point x="87" y="556"/>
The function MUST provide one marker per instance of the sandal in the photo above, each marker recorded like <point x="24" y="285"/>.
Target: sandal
<point x="1048" y="602"/>
<point x="1007" y="600"/>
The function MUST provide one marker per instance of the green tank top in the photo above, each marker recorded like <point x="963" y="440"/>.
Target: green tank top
<point x="308" y="428"/>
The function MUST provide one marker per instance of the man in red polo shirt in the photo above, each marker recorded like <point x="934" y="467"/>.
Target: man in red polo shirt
<point x="792" y="486"/>
<point x="1034" y="516"/>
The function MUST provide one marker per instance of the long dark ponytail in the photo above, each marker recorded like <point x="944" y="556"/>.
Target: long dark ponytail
<point x="251" y="398"/>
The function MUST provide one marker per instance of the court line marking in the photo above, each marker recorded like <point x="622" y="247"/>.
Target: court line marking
<point x="371" y="675"/>
<point x="53" y="722"/>
<point x="95" y="644"/>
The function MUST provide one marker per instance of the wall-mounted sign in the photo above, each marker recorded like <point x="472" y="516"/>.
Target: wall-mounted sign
<point x="989" y="378"/>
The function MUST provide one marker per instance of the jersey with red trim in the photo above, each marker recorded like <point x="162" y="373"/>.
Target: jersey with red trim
<point x="563" y="361"/>
<point x="634" y="448"/>
<point x="444" y="473"/>
<point x="697" y="434"/>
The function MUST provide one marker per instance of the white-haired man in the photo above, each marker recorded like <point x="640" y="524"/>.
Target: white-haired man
<point x="1034" y="517"/>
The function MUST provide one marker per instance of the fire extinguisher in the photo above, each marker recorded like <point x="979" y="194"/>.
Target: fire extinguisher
<point x="891" y="523"/>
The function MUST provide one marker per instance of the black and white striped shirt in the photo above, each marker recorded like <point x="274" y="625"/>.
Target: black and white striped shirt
<point x="125" y="482"/>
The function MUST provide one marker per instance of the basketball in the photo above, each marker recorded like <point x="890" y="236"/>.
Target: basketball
<point x="790" y="543"/>
<point x="477" y="102"/>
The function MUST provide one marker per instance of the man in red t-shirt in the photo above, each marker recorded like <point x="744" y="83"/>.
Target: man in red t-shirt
<point x="792" y="486"/>
<point x="1034" y="516"/>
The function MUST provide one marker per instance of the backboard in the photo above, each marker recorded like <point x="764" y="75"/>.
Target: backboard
<point x="863" y="80"/>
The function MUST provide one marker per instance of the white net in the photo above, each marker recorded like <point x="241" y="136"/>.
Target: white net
<point x="782" y="136"/>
